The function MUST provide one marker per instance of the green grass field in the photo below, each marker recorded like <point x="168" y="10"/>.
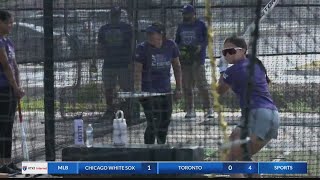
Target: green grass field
<point x="32" y="104"/>
<point x="315" y="65"/>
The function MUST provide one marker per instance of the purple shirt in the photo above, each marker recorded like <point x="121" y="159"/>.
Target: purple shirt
<point x="237" y="77"/>
<point x="156" y="65"/>
<point x="193" y="35"/>
<point x="9" y="48"/>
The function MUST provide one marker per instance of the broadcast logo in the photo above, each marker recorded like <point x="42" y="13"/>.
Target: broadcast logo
<point x="24" y="168"/>
<point x="34" y="168"/>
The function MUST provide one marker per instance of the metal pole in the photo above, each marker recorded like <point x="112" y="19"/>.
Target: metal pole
<point x="48" y="80"/>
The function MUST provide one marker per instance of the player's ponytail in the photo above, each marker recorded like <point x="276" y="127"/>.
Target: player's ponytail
<point x="264" y="69"/>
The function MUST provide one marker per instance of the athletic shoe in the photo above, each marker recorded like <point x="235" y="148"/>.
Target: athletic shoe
<point x="210" y="113"/>
<point x="190" y="114"/>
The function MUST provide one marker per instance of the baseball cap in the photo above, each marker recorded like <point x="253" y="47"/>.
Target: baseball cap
<point x="155" y="28"/>
<point x="115" y="10"/>
<point x="187" y="9"/>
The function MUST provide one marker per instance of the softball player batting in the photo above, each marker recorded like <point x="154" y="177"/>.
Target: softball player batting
<point x="263" y="119"/>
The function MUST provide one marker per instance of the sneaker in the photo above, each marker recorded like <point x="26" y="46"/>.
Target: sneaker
<point x="190" y="114"/>
<point x="210" y="113"/>
<point x="6" y="169"/>
<point x="14" y="167"/>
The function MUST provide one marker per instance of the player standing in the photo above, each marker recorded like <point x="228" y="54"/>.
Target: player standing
<point x="153" y="62"/>
<point x="10" y="92"/>
<point x="192" y="39"/>
<point x="115" y="46"/>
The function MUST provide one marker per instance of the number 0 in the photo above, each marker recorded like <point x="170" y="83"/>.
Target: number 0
<point x="149" y="168"/>
<point x="229" y="167"/>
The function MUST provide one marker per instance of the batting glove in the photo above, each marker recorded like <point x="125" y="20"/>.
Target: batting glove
<point x="223" y="64"/>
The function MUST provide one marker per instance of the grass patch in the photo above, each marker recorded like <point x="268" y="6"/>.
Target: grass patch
<point x="210" y="154"/>
<point x="90" y="97"/>
<point x="31" y="104"/>
<point x="298" y="106"/>
<point x="314" y="65"/>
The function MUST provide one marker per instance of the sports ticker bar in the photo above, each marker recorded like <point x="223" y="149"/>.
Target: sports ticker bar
<point x="164" y="167"/>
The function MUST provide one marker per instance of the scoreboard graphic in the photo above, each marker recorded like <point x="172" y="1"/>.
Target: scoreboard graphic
<point x="164" y="167"/>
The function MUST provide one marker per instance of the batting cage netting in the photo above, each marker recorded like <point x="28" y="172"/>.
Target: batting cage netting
<point x="61" y="57"/>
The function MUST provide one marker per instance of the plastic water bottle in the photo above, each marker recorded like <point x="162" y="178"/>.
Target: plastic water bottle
<point x="78" y="131"/>
<point x="89" y="133"/>
<point x="120" y="135"/>
<point x="124" y="131"/>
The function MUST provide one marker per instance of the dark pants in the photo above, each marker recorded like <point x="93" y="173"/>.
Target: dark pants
<point x="158" y="112"/>
<point x="111" y="79"/>
<point x="8" y="106"/>
<point x="114" y="80"/>
<point x="195" y="75"/>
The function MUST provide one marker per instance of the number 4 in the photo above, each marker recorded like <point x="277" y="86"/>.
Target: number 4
<point x="250" y="168"/>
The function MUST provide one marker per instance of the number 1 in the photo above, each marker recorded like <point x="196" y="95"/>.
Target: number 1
<point x="149" y="168"/>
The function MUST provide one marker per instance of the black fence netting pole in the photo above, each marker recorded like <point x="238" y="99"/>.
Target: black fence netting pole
<point x="253" y="48"/>
<point x="48" y="80"/>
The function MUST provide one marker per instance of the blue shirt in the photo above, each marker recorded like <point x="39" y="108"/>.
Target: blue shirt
<point x="237" y="77"/>
<point x="193" y="34"/>
<point x="116" y="42"/>
<point x="9" y="48"/>
<point x="156" y="65"/>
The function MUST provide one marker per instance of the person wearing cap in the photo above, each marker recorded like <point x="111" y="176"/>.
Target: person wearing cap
<point x="115" y="46"/>
<point x="153" y="61"/>
<point x="192" y="39"/>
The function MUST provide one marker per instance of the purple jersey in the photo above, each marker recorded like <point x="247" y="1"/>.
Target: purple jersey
<point x="237" y="77"/>
<point x="9" y="48"/>
<point x="116" y="42"/>
<point x="156" y="65"/>
<point x="193" y="35"/>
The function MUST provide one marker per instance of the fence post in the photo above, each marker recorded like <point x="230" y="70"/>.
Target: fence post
<point x="48" y="80"/>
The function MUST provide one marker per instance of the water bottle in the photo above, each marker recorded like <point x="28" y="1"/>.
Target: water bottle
<point x="89" y="133"/>
<point x="78" y="131"/>
<point x="123" y="130"/>
<point x="120" y="135"/>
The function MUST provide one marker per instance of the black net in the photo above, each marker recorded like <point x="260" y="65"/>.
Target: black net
<point x="287" y="45"/>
